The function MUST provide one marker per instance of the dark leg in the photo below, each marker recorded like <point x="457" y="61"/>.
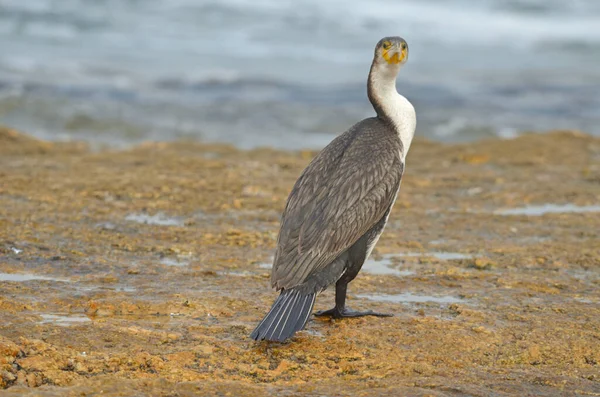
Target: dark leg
<point x="355" y="259"/>
<point x="340" y="310"/>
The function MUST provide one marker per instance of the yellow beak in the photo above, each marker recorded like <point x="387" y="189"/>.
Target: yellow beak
<point x="394" y="58"/>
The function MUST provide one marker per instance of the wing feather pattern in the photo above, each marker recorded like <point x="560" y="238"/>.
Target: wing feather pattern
<point x="343" y="192"/>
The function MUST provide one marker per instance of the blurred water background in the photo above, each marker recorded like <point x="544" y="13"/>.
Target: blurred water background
<point x="292" y="73"/>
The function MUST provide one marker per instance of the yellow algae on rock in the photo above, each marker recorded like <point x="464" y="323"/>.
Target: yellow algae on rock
<point x="110" y="304"/>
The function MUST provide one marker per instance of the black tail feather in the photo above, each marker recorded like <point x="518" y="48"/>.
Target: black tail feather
<point x="289" y="314"/>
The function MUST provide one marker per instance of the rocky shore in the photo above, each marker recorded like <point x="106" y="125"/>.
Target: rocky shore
<point x="142" y="272"/>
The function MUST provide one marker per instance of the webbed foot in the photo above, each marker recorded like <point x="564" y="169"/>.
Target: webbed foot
<point x="337" y="313"/>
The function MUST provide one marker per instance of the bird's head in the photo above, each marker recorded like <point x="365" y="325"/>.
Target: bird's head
<point x="391" y="52"/>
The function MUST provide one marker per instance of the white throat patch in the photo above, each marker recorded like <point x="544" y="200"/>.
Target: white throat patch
<point x="395" y="106"/>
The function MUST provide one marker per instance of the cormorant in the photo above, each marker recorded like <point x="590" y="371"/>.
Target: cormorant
<point x="340" y="204"/>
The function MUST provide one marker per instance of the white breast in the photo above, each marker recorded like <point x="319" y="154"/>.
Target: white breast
<point x="402" y="114"/>
<point x="396" y="107"/>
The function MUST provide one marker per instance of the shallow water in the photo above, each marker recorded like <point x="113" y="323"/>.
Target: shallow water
<point x="22" y="277"/>
<point x="122" y="288"/>
<point x="156" y="219"/>
<point x="384" y="266"/>
<point x="174" y="262"/>
<point x="74" y="286"/>
<point x="538" y="210"/>
<point x="410" y="298"/>
<point x="444" y="256"/>
<point x="235" y="273"/>
<point x="64" y="320"/>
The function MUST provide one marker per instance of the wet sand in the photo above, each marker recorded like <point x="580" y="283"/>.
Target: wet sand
<point x="142" y="272"/>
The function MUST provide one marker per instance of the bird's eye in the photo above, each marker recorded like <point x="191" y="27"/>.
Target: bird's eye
<point x="386" y="45"/>
<point x="404" y="46"/>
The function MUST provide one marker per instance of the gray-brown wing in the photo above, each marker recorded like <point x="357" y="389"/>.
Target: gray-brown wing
<point x="344" y="192"/>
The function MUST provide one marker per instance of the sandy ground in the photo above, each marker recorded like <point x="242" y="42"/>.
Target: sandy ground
<point x="142" y="272"/>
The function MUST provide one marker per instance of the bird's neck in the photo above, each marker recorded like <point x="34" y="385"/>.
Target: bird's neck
<point x="390" y="106"/>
